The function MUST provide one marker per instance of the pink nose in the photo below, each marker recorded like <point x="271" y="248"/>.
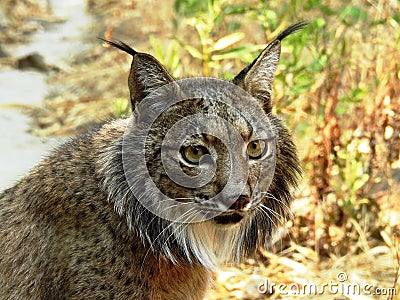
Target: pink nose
<point x="240" y="203"/>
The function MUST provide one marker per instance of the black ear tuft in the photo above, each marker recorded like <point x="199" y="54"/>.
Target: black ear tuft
<point x="256" y="78"/>
<point x="291" y="29"/>
<point x="147" y="73"/>
<point x="120" y="45"/>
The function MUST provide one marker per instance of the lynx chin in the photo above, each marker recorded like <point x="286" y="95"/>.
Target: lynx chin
<point x="201" y="174"/>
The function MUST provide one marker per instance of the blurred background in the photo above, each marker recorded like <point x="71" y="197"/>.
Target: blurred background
<point x="337" y="88"/>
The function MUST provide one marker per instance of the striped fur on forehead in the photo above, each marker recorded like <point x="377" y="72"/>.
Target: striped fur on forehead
<point x="189" y="107"/>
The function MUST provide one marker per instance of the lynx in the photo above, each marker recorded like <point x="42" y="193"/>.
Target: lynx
<point x="146" y="207"/>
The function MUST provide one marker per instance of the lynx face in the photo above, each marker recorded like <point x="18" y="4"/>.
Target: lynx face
<point x="207" y="168"/>
<point x="210" y="153"/>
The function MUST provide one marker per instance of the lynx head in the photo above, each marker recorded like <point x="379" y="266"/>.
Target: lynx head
<point x="207" y="170"/>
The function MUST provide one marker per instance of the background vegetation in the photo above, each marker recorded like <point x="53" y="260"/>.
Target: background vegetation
<point x="337" y="87"/>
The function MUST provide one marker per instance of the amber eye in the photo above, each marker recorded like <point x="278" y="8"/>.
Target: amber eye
<point x="256" y="149"/>
<point x="193" y="154"/>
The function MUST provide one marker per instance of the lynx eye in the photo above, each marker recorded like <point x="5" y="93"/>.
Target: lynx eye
<point x="257" y="149"/>
<point x="193" y="154"/>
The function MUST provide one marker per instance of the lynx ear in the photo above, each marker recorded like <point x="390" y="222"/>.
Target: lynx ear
<point x="147" y="73"/>
<point x="257" y="77"/>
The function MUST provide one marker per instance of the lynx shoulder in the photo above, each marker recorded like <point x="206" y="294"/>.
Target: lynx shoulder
<point x="202" y="173"/>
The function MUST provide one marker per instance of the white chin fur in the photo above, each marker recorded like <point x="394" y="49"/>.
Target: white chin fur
<point x="213" y="244"/>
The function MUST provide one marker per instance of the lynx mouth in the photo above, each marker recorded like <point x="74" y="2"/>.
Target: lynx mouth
<point x="229" y="218"/>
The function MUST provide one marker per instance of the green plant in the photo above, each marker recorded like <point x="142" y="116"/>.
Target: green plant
<point x="168" y="53"/>
<point x="121" y="107"/>
<point x="213" y="49"/>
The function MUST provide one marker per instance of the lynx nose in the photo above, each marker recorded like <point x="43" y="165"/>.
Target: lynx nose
<point x="242" y="203"/>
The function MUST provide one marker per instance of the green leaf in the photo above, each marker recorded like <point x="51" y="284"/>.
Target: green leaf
<point x="158" y="49"/>
<point x="243" y="52"/>
<point x="227" y="41"/>
<point x="189" y="7"/>
<point x="120" y="106"/>
<point x="237" y="9"/>
<point x="360" y="182"/>
<point x="230" y="54"/>
<point x="327" y="10"/>
<point x="320" y="22"/>
<point x="193" y="51"/>
<point x="396" y="17"/>
<point x="350" y="15"/>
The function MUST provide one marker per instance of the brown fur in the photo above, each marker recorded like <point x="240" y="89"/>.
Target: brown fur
<point x="61" y="239"/>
